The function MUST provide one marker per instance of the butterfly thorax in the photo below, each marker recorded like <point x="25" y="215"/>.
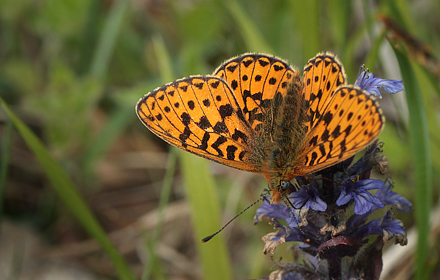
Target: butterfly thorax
<point x="283" y="135"/>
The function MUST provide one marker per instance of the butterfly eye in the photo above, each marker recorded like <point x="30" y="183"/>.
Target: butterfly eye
<point x="285" y="185"/>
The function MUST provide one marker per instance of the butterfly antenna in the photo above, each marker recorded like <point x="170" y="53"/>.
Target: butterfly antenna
<point x="288" y="202"/>
<point x="206" y="239"/>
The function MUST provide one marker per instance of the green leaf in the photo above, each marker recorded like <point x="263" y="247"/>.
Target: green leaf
<point x="419" y="138"/>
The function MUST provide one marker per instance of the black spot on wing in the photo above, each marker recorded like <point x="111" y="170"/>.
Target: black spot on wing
<point x="186" y="118"/>
<point x="191" y="105"/>
<point x="226" y="110"/>
<point x="215" y="84"/>
<point x="199" y="85"/>
<point x="205" y="140"/>
<point x="239" y="135"/>
<point x="241" y="155"/>
<point x="184" y="136"/>
<point x="327" y="118"/>
<point x="278" y="67"/>
<point x="234" y="84"/>
<point x="325" y="135"/>
<point x="232" y="68"/>
<point x="230" y="152"/>
<point x="246" y="63"/>
<point x="263" y="63"/>
<point x="272" y="81"/>
<point x="313" y="158"/>
<point x="204" y="123"/>
<point x="217" y="144"/>
<point x="336" y="132"/>
<point x="220" y="127"/>
<point x="206" y="102"/>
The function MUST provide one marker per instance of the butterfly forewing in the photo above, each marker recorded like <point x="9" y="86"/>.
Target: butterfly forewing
<point x="323" y="74"/>
<point x="351" y="120"/>
<point x="199" y="114"/>
<point x="255" y="79"/>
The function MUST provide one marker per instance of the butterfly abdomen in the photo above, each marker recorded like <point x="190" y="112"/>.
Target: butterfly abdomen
<point x="290" y="116"/>
<point x="290" y="119"/>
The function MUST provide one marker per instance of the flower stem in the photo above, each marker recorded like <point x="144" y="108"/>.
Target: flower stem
<point x="334" y="268"/>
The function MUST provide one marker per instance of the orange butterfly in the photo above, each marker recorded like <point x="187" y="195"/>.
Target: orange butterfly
<point x="255" y="113"/>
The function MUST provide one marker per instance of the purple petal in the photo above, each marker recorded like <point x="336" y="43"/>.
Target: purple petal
<point x="372" y="85"/>
<point x="386" y="226"/>
<point x="364" y="200"/>
<point x="277" y="211"/>
<point x="308" y="197"/>
<point x="388" y="197"/>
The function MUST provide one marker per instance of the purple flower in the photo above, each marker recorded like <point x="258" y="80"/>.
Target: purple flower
<point x="329" y="216"/>
<point x="330" y="221"/>
<point x="372" y="85"/>
<point x="386" y="226"/>
<point x="308" y="198"/>
<point x="358" y="191"/>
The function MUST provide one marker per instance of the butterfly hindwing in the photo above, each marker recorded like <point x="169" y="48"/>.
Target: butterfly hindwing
<point x="322" y="75"/>
<point x="350" y="121"/>
<point x="255" y="79"/>
<point x="199" y="114"/>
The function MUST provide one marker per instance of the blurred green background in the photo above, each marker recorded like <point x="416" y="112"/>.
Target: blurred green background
<point x="80" y="173"/>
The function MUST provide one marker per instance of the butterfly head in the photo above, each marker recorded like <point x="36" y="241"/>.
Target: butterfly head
<point x="279" y="189"/>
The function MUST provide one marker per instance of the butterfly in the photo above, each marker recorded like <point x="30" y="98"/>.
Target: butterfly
<point x="257" y="114"/>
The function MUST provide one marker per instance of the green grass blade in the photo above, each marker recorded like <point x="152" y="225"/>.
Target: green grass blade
<point x="418" y="130"/>
<point x="163" y="202"/>
<point x="306" y="17"/>
<point x="202" y="196"/>
<point x="89" y="36"/>
<point x="373" y="53"/>
<point x="6" y="152"/>
<point x="117" y="123"/>
<point x="252" y="36"/>
<point x="432" y="81"/>
<point x="339" y="12"/>
<point x="107" y="40"/>
<point x="67" y="191"/>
